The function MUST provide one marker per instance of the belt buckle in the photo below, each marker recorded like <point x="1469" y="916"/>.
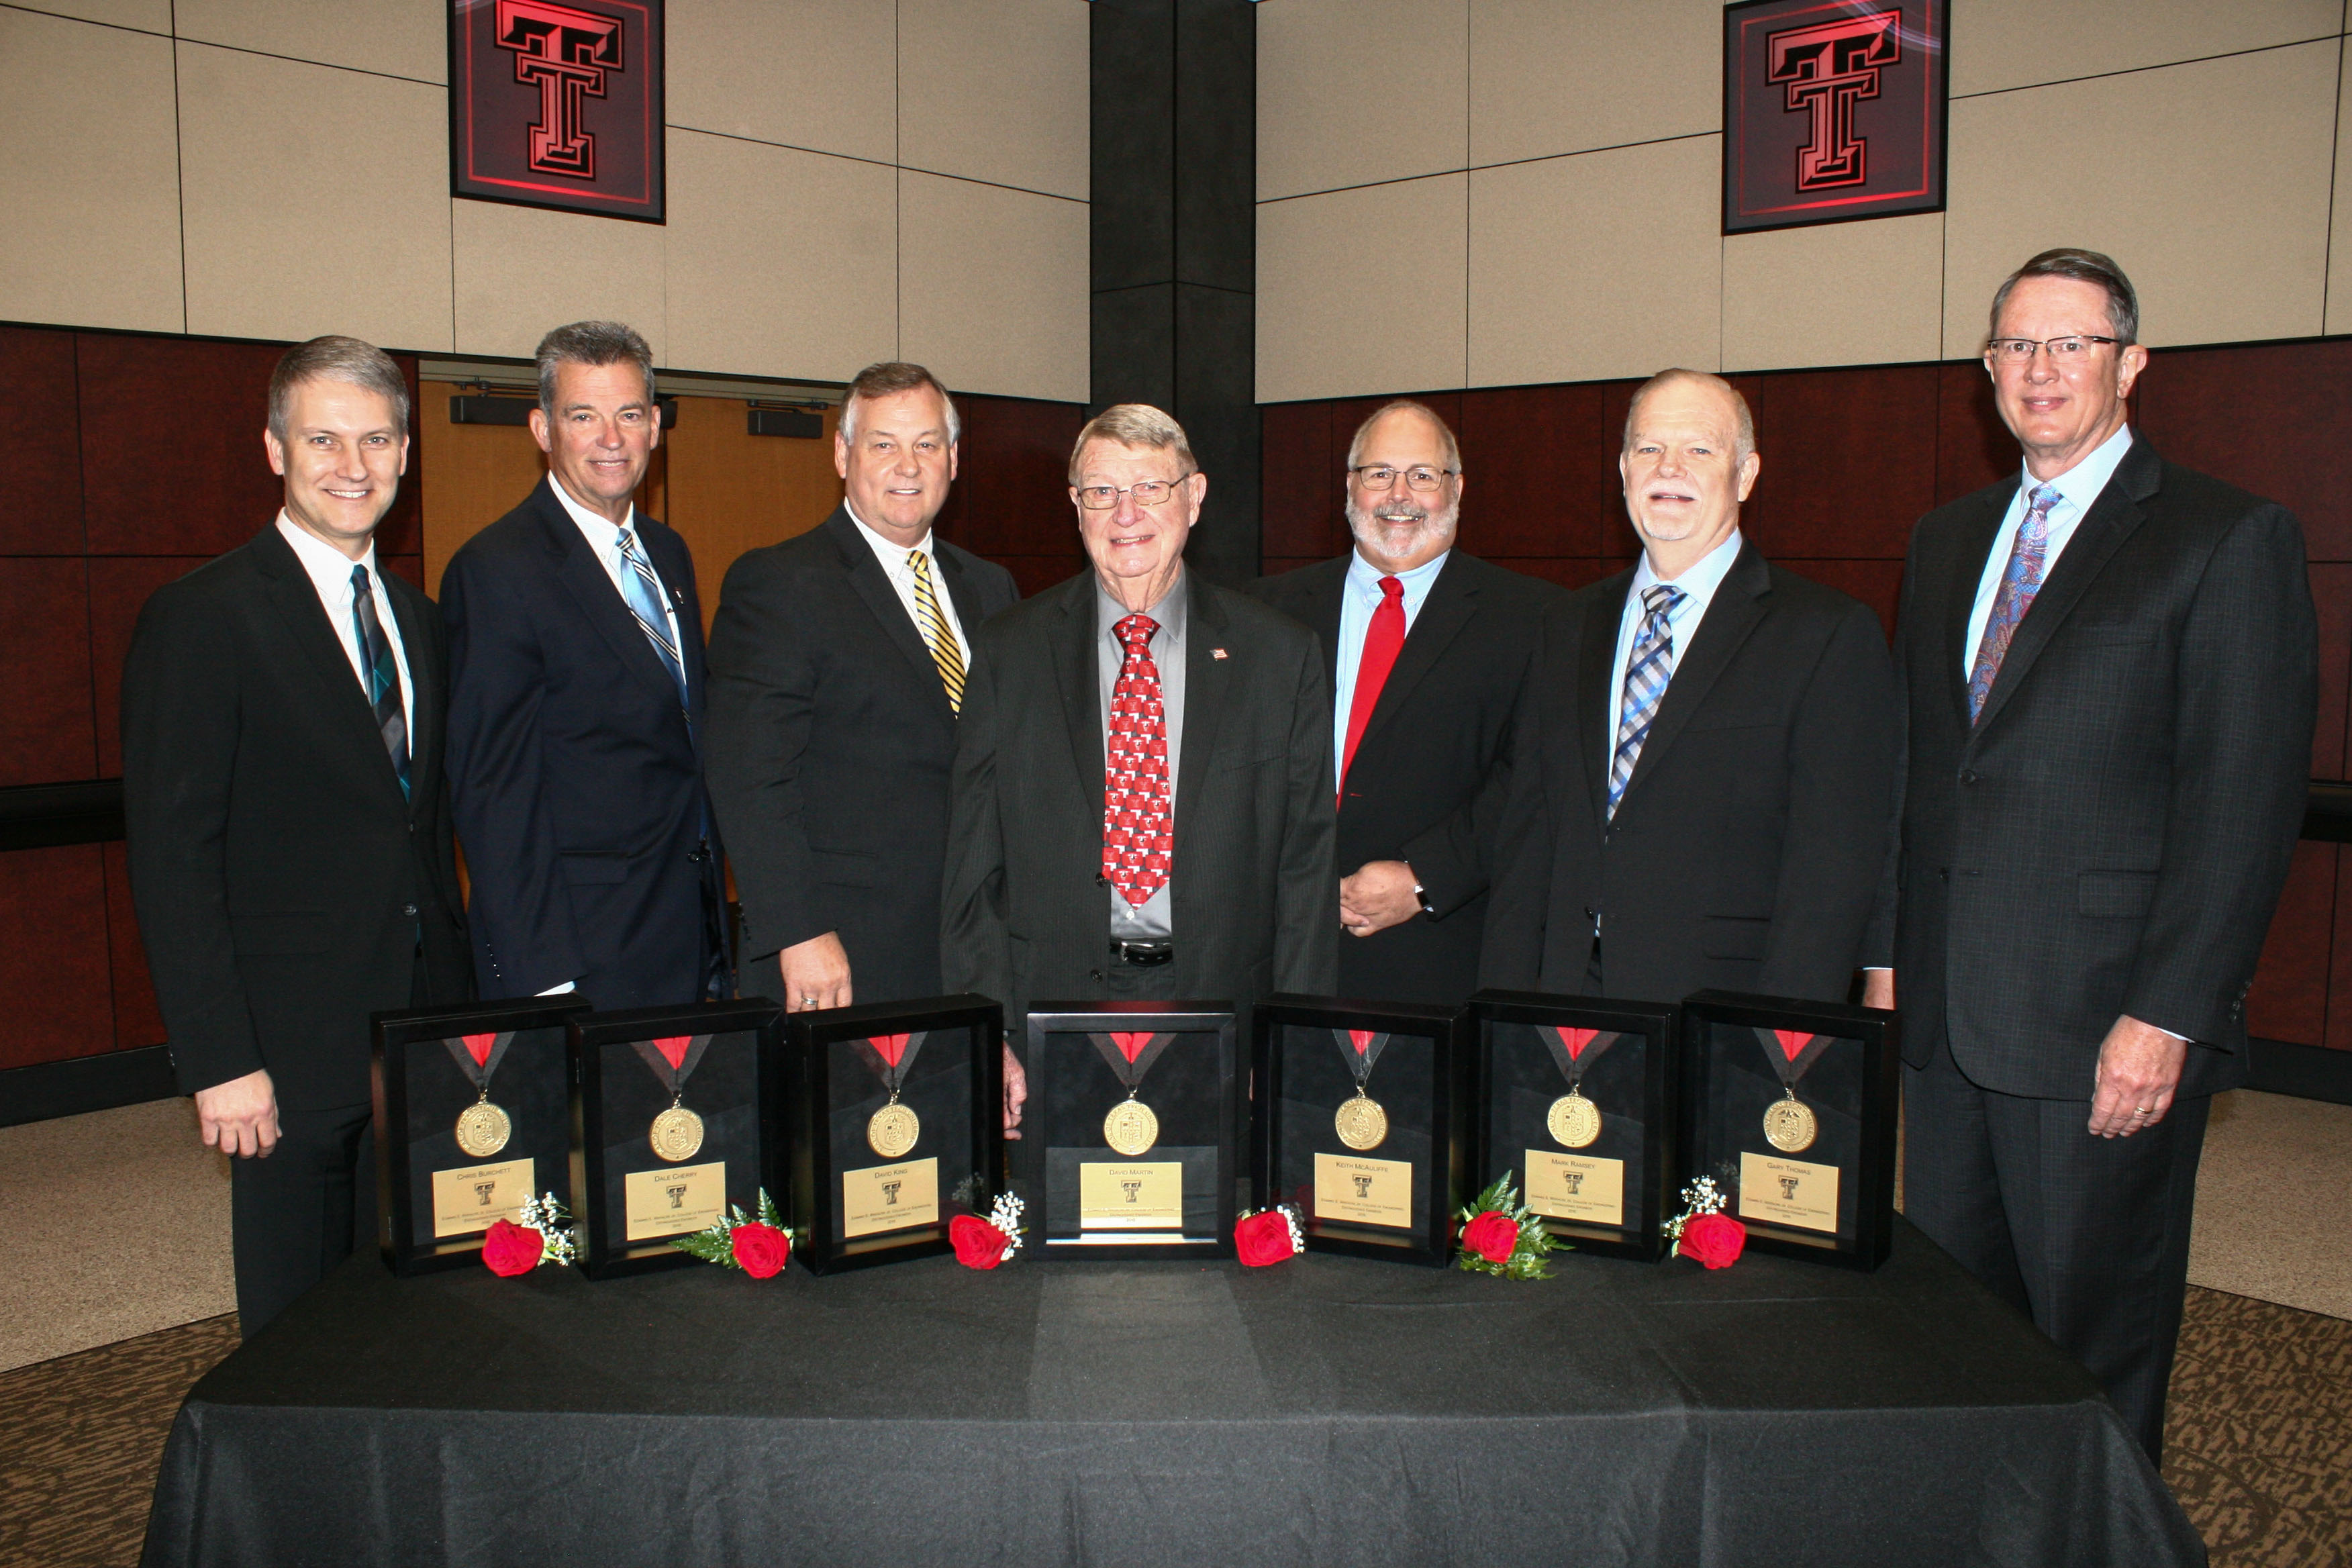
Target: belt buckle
<point x="1143" y="955"/>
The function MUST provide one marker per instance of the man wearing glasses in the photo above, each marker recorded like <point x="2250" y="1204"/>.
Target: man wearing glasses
<point x="2109" y="665"/>
<point x="1427" y="646"/>
<point x="1141" y="804"/>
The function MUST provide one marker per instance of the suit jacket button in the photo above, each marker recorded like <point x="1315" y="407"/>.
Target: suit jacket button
<point x="408" y="909"/>
<point x="1097" y="975"/>
<point x="1967" y="776"/>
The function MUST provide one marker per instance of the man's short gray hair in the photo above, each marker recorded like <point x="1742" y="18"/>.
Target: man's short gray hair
<point x="1395" y="404"/>
<point x="591" y="342"/>
<point x="2083" y="266"/>
<point x="1136" y="424"/>
<point x="887" y="379"/>
<point x="1745" y="439"/>
<point x="362" y="365"/>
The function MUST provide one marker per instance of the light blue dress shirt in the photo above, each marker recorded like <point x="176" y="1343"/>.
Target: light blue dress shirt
<point x="1698" y="585"/>
<point x="1360" y="596"/>
<point x="2078" y="487"/>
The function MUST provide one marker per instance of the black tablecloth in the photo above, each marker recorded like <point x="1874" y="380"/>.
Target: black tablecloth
<point x="1323" y="1411"/>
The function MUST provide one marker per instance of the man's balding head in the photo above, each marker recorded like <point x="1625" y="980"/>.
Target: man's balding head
<point x="1689" y="460"/>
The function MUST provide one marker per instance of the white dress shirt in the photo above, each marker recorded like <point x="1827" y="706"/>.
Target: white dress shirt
<point x="1360" y="596"/>
<point x="893" y="557"/>
<point x="604" y="537"/>
<point x="1698" y="585"/>
<point x="2077" y="488"/>
<point x="331" y="574"/>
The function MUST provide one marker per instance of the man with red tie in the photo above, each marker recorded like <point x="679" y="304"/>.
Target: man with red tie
<point x="1427" y="647"/>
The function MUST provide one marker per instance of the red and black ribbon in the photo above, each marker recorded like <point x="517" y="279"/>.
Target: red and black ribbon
<point x="1792" y="1053"/>
<point x="1574" y="1050"/>
<point x="673" y="1059"/>
<point x="477" y="1055"/>
<point x="889" y="1056"/>
<point x="1360" y="1049"/>
<point x="1130" y="1056"/>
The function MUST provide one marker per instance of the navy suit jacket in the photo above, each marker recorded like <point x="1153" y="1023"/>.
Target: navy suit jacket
<point x="577" y="776"/>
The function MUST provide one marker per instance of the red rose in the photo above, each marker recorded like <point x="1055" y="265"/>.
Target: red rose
<point x="511" y="1248"/>
<point x="1492" y="1236"/>
<point x="1262" y="1238"/>
<point x="1715" y="1240"/>
<point x="761" y="1250"/>
<point x="977" y="1244"/>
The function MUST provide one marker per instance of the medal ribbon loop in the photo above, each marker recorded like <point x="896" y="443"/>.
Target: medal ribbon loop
<point x="1130" y="1056"/>
<point x="673" y="1059"/>
<point x="1360" y="1049"/>
<point x="477" y="1055"/>
<point x="889" y="1057"/>
<point x="1791" y="1053"/>
<point x="1573" y="1050"/>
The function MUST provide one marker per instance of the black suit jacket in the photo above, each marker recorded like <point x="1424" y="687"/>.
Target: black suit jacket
<point x="830" y="741"/>
<point x="1748" y="847"/>
<point x="2110" y="836"/>
<point x="577" y="776"/>
<point x="1433" y="770"/>
<point x="286" y="888"/>
<point x="1253" y="882"/>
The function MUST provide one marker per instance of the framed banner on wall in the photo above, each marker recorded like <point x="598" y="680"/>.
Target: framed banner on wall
<point x="558" y="104"/>
<point x="1833" y="109"/>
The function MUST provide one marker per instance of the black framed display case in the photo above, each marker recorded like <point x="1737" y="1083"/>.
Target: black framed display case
<point x="667" y="1112"/>
<point x="893" y="1113"/>
<point x="1791" y="1108"/>
<point x="473" y="1115"/>
<point x="1361" y="1122"/>
<point x="1128" y="1141"/>
<point x="1578" y="1097"/>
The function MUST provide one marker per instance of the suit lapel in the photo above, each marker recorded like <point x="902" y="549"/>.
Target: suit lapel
<point x="590" y="587"/>
<point x="962" y="593"/>
<point x="1973" y="543"/>
<point x="1596" y="688"/>
<point x="1071" y="643"/>
<point x="319" y="652"/>
<point x="1738" y="607"/>
<point x="1452" y="600"/>
<point x="1329" y="598"/>
<point x="874" y="587"/>
<point x="425" y="727"/>
<point x="1208" y="690"/>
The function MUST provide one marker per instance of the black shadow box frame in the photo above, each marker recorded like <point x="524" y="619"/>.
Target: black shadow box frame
<point x="1518" y="1080"/>
<point x="825" y="1094"/>
<point x="1191" y="1090"/>
<point x="1851" y="1088"/>
<point x="419" y="1090"/>
<point x="616" y="1097"/>
<point x="1420" y="1079"/>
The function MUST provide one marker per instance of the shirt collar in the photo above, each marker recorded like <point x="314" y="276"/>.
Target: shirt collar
<point x="889" y="552"/>
<point x="1365" y="577"/>
<point x="2079" y="486"/>
<point x="330" y="569"/>
<point x="1701" y="578"/>
<point x="600" y="531"/>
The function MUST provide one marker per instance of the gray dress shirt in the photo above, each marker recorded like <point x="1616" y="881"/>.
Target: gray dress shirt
<point x="1151" y="921"/>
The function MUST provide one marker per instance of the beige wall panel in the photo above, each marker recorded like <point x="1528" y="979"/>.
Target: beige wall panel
<point x="2339" y="250"/>
<point x="1354" y="91"/>
<point x="521" y="270"/>
<point x="150" y="15"/>
<point x="802" y="73"/>
<point x="316" y="201"/>
<point x="398" y="37"/>
<point x="1361" y="292"/>
<point x="2208" y="183"/>
<point x="1548" y="77"/>
<point x="1603" y="265"/>
<point x="996" y="90"/>
<point x="779" y="262"/>
<point x="1839" y="293"/>
<point x="88" y="182"/>
<point x="1999" y="44"/>
<point x="992" y="287"/>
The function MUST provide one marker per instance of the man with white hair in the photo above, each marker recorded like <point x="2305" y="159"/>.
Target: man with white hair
<point x="1427" y="647"/>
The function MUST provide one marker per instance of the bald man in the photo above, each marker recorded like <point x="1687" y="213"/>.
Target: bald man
<point x="1707" y="749"/>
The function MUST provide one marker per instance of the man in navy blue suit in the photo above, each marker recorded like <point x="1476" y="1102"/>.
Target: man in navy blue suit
<point x="575" y="710"/>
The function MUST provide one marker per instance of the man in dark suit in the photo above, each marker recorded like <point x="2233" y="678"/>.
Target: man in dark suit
<point x="1707" y="749"/>
<point x="2109" y="672"/>
<point x="575" y="707"/>
<point x="282" y="720"/>
<point x="838" y="661"/>
<point x="1142" y="802"/>
<point x="1427" y="647"/>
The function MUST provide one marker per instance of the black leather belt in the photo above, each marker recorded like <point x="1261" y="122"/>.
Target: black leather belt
<point x="1141" y="955"/>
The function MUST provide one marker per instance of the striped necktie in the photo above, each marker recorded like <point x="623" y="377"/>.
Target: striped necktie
<point x="1647" y="672"/>
<point x="643" y="591"/>
<point x="934" y="627"/>
<point x="2020" y="579"/>
<point x="383" y="676"/>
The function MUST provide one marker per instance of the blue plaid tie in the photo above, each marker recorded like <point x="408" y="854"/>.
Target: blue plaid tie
<point x="643" y="591"/>
<point x="383" y="675"/>
<point x="1647" y="672"/>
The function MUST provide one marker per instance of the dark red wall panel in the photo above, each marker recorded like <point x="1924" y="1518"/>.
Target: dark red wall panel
<point x="137" y="1020"/>
<point x="1973" y="448"/>
<point x="119" y="586"/>
<point x="48" y="730"/>
<point x="1848" y="460"/>
<point x="1012" y="494"/>
<point x="171" y="461"/>
<point x="40" y="467"/>
<point x="56" y="988"/>
<point x="1539" y="471"/>
<point x="2273" y="418"/>
<point x="1298" y="494"/>
<point x="2289" y="1001"/>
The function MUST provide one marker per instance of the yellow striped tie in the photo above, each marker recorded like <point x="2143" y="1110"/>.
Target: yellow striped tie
<point x="934" y="627"/>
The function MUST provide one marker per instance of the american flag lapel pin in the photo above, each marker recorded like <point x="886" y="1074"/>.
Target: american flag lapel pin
<point x="1216" y="653"/>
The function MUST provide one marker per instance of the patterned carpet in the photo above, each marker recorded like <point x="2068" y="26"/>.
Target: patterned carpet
<point x="2258" y="1447"/>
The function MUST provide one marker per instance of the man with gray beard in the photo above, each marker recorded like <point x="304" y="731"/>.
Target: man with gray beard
<point x="1427" y="647"/>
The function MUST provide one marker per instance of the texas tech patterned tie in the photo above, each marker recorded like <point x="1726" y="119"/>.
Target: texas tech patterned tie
<point x="934" y="627"/>
<point x="383" y="675"/>
<point x="1137" y="838"/>
<point x="1647" y="672"/>
<point x="2020" y="580"/>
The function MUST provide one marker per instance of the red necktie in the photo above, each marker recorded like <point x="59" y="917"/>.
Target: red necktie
<point x="1137" y="839"/>
<point x="1384" y="640"/>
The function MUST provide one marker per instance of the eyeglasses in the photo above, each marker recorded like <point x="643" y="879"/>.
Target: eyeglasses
<point x="1146" y="492"/>
<point x="2020" y="351"/>
<point x="1380" y="477"/>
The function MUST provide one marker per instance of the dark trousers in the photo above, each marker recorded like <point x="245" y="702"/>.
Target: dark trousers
<point x="300" y="1209"/>
<point x="2088" y="1236"/>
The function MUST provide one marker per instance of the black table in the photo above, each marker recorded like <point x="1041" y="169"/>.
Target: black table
<point x="1323" y="1411"/>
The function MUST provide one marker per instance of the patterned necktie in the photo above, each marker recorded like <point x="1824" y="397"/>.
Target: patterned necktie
<point x="934" y="627"/>
<point x="1647" y="671"/>
<point x="643" y="591"/>
<point x="383" y="675"/>
<point x="1384" y="640"/>
<point x="2020" y="580"/>
<point x="1138" y="839"/>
